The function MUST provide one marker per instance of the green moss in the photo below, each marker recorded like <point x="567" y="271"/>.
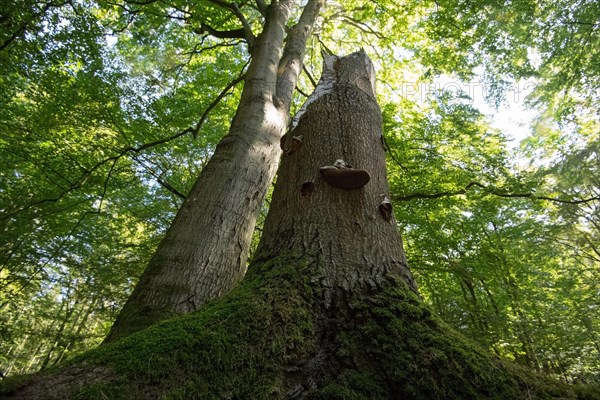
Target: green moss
<point x="351" y="385"/>
<point x="101" y="391"/>
<point x="260" y="340"/>
<point x="237" y="347"/>
<point x="401" y="351"/>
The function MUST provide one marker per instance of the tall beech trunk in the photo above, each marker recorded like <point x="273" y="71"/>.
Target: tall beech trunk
<point x="204" y="252"/>
<point x="351" y="232"/>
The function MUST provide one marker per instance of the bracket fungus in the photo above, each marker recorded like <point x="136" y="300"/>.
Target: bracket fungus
<point x="290" y="145"/>
<point x="342" y="176"/>
<point x="296" y="143"/>
<point x="385" y="208"/>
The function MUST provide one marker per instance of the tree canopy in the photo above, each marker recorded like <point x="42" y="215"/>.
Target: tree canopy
<point x="111" y="109"/>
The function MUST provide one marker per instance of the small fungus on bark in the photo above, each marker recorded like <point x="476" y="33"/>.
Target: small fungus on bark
<point x="290" y="145"/>
<point x="296" y="143"/>
<point x="385" y="208"/>
<point x="282" y="142"/>
<point x="342" y="176"/>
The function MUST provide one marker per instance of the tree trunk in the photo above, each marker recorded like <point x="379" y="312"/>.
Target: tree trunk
<point x="351" y="232"/>
<point x="204" y="252"/>
<point x="330" y="211"/>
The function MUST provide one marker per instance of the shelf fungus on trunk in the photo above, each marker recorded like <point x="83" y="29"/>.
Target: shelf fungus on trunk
<point x="342" y="176"/>
<point x="296" y="143"/>
<point x="385" y="208"/>
<point x="290" y="144"/>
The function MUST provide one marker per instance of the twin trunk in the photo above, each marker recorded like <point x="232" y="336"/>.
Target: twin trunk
<point x="204" y="252"/>
<point x="329" y="206"/>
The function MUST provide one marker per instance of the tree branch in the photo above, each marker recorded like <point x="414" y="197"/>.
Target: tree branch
<point x="310" y="77"/>
<point x="169" y="187"/>
<point x="83" y="178"/>
<point x="391" y="153"/>
<point x="290" y="64"/>
<point x="302" y="92"/>
<point x="492" y="191"/>
<point x="159" y="178"/>
<point x="363" y="27"/>
<point x="232" y="34"/>
<point x="233" y="7"/>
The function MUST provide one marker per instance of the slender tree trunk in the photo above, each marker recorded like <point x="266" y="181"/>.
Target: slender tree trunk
<point x="204" y="252"/>
<point x="78" y="325"/>
<point x="59" y="336"/>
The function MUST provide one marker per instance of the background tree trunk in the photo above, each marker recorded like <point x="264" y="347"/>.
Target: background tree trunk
<point x="204" y="252"/>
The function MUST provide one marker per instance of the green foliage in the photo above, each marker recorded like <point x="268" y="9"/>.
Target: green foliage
<point x="510" y="272"/>
<point x="92" y="164"/>
<point x="100" y="101"/>
<point x="556" y="42"/>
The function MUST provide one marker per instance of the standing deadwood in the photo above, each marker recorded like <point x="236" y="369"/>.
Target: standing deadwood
<point x="203" y="254"/>
<point x="327" y="202"/>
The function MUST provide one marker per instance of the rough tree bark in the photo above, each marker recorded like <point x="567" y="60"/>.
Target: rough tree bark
<point x="351" y="233"/>
<point x="330" y="211"/>
<point x="204" y="252"/>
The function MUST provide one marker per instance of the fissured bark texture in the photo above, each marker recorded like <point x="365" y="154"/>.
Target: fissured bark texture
<point x="343" y="230"/>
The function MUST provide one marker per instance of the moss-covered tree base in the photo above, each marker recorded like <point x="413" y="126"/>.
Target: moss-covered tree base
<point x="272" y="338"/>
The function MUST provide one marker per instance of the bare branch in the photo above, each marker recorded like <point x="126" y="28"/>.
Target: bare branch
<point x="324" y="46"/>
<point x="232" y="34"/>
<point x="248" y="35"/>
<point x="169" y="187"/>
<point x="302" y="92"/>
<point x="392" y="154"/>
<point x="417" y="195"/>
<point x="363" y="27"/>
<point x="310" y="77"/>
<point x="159" y="178"/>
<point x="495" y="192"/>
<point x="199" y="49"/>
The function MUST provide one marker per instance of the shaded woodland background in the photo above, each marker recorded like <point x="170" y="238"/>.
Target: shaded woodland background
<point x="110" y="110"/>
